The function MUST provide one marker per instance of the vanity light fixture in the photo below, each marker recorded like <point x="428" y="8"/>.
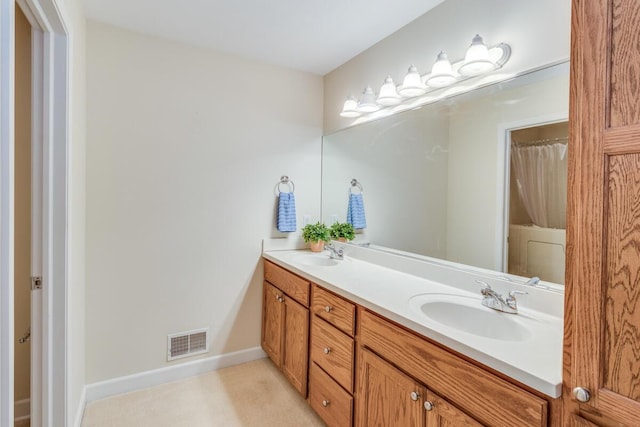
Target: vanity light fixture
<point x="367" y="102"/>
<point x="412" y="84"/>
<point x="441" y="73"/>
<point x="350" y="108"/>
<point x="388" y="93"/>
<point x="478" y="60"/>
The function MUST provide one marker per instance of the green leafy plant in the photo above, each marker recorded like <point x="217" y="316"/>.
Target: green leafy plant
<point x="316" y="232"/>
<point x="342" y="230"/>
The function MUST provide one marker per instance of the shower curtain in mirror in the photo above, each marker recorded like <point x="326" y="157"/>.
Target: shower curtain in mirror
<point x="541" y="178"/>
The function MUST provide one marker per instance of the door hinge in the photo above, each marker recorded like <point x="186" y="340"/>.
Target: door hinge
<point x="36" y="282"/>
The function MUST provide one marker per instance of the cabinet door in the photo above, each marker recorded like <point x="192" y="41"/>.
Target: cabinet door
<point x="441" y="413"/>
<point x="295" y="356"/>
<point x="272" y="322"/>
<point x="602" y="315"/>
<point x="386" y="396"/>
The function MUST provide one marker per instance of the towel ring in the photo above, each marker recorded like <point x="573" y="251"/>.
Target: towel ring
<point x="284" y="180"/>
<point x="355" y="184"/>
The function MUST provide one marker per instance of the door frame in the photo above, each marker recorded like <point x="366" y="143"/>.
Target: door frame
<point x="504" y="178"/>
<point x="50" y="141"/>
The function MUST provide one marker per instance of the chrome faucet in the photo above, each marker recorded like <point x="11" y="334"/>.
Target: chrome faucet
<point x="494" y="300"/>
<point x="333" y="252"/>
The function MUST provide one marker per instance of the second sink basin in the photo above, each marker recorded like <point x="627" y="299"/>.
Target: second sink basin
<point x="466" y="314"/>
<point x="315" y="259"/>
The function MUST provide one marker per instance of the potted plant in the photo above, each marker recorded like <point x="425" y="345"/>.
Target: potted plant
<point x="316" y="234"/>
<point x="342" y="231"/>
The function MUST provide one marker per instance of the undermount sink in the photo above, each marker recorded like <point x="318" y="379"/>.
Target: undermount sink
<point x="320" y="259"/>
<point x="466" y="314"/>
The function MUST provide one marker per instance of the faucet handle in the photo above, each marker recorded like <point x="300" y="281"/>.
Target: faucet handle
<point x="484" y="284"/>
<point x="511" y="301"/>
<point x="512" y="294"/>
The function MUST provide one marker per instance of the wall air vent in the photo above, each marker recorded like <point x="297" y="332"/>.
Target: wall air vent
<point x="185" y="344"/>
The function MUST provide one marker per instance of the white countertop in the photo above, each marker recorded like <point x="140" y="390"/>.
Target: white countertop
<point x="535" y="361"/>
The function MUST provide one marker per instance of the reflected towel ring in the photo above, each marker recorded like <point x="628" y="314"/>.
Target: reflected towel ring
<point x="284" y="180"/>
<point x="355" y="184"/>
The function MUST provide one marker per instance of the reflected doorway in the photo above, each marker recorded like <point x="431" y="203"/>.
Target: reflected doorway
<point x="538" y="201"/>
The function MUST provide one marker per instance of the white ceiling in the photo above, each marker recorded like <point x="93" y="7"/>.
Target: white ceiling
<point x="315" y="36"/>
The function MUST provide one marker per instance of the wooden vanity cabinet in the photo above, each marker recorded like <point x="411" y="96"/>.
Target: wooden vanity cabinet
<point x="389" y="397"/>
<point x="414" y="362"/>
<point x="285" y="323"/>
<point x="332" y="357"/>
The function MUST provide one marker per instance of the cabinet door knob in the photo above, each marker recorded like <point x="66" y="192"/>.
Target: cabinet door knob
<point x="428" y="405"/>
<point x="325" y="403"/>
<point x="582" y="394"/>
<point x="328" y="309"/>
<point x="415" y="395"/>
<point x="327" y="350"/>
<point x="278" y="297"/>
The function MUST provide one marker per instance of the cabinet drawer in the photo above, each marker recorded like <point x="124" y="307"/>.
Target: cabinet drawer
<point x="335" y="310"/>
<point x="292" y="285"/>
<point x="329" y="400"/>
<point x="332" y="350"/>
<point x="488" y="398"/>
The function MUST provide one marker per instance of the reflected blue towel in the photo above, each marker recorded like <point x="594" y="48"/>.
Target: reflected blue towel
<point x="355" y="211"/>
<point x="286" y="213"/>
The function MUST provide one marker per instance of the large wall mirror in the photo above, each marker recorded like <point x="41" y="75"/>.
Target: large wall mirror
<point x="477" y="179"/>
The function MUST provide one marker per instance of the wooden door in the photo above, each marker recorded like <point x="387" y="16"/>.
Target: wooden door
<point x="295" y="356"/>
<point x="602" y="310"/>
<point x="441" y="413"/>
<point x="386" y="396"/>
<point x="272" y="322"/>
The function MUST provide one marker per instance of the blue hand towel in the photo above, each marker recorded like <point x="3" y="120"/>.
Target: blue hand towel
<point x="355" y="211"/>
<point x="286" y="212"/>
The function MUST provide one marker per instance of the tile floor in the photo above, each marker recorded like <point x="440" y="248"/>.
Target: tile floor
<point x="252" y="394"/>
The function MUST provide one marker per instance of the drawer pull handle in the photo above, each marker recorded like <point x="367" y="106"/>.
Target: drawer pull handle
<point x="415" y="395"/>
<point x="428" y="405"/>
<point x="328" y="309"/>
<point x="327" y="350"/>
<point x="582" y="394"/>
<point x="325" y="403"/>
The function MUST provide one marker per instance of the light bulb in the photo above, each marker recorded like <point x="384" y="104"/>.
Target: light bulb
<point x="477" y="59"/>
<point x="412" y="84"/>
<point x="350" y="108"/>
<point x="367" y="102"/>
<point x="441" y="73"/>
<point x="388" y="93"/>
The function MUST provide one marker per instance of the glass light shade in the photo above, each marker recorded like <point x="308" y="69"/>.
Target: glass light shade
<point x="367" y="102"/>
<point x="412" y="84"/>
<point x="350" y="108"/>
<point x="388" y="93"/>
<point x="477" y="59"/>
<point x="441" y="73"/>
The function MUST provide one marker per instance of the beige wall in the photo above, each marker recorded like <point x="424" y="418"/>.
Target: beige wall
<point x="22" y="260"/>
<point x="538" y="32"/>
<point x="184" y="148"/>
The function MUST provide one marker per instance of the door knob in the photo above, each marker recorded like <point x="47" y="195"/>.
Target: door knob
<point x="327" y="350"/>
<point x="325" y="403"/>
<point x="328" y="309"/>
<point x="415" y="395"/>
<point x="428" y="405"/>
<point x="582" y="394"/>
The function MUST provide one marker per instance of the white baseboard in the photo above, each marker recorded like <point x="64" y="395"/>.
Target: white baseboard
<point x="81" y="406"/>
<point x="21" y="409"/>
<point x="128" y="383"/>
